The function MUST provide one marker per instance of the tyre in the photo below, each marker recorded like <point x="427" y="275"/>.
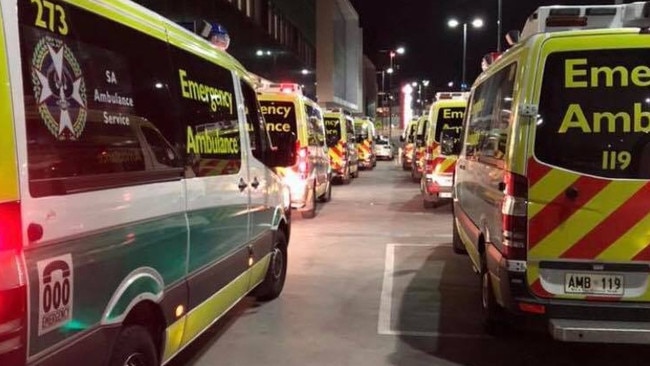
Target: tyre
<point x="134" y="347"/>
<point x="276" y="275"/>
<point x="457" y="244"/>
<point x="492" y="315"/>
<point x="327" y="196"/>
<point x="346" y="178"/>
<point x="311" y="213"/>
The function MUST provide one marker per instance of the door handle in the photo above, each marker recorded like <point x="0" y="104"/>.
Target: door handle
<point x="242" y="184"/>
<point x="255" y="183"/>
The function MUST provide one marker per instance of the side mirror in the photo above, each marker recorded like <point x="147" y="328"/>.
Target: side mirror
<point x="449" y="143"/>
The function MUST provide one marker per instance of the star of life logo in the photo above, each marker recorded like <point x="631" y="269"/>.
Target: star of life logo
<point x="59" y="89"/>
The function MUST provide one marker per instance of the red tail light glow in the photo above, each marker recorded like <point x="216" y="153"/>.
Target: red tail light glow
<point x="514" y="216"/>
<point x="13" y="289"/>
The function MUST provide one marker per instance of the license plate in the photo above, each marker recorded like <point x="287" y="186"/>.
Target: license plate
<point x="445" y="194"/>
<point x="594" y="284"/>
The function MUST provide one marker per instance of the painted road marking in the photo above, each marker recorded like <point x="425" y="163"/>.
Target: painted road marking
<point x="387" y="305"/>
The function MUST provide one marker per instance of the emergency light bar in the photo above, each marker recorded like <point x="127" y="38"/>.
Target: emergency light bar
<point x="452" y="95"/>
<point x="289" y="88"/>
<point x="571" y="17"/>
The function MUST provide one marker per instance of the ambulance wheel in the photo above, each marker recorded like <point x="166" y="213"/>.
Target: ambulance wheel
<point x="311" y="213"/>
<point x="346" y="178"/>
<point x="276" y="275"/>
<point x="356" y="173"/>
<point x="492" y="315"/>
<point x="134" y="347"/>
<point x="327" y="196"/>
<point x="457" y="244"/>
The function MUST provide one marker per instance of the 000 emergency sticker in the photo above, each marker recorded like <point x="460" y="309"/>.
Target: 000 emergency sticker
<point x="55" y="292"/>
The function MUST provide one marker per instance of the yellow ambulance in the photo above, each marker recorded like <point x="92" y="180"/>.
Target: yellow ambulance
<point x="446" y="116"/>
<point x="138" y="198"/>
<point x="553" y="181"/>
<point x="408" y="139"/>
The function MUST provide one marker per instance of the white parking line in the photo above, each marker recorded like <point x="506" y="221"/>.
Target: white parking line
<point x="386" y="300"/>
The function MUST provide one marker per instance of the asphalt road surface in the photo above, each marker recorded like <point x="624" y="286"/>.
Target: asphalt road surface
<point x="372" y="280"/>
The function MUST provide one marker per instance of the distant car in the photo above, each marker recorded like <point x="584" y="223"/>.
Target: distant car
<point x="384" y="150"/>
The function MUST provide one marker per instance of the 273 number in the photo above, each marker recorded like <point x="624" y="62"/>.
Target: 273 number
<point x="50" y="16"/>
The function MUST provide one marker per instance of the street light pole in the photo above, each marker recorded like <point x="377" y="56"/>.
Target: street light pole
<point x="453" y="23"/>
<point x="462" y="85"/>
<point x="498" y="25"/>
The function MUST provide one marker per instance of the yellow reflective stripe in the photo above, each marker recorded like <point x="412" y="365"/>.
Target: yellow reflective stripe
<point x="446" y="164"/>
<point x="630" y="243"/>
<point x="174" y="338"/>
<point x="585" y="219"/>
<point x="546" y="189"/>
<point x="127" y="14"/>
<point x="8" y="163"/>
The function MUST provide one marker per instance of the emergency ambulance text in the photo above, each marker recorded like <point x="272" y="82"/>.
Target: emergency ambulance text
<point x="211" y="95"/>
<point x="210" y="143"/>
<point x="277" y="110"/>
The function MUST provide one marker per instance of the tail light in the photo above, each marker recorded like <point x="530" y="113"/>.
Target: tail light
<point x="303" y="160"/>
<point x="514" y="216"/>
<point x="13" y="289"/>
<point x="429" y="162"/>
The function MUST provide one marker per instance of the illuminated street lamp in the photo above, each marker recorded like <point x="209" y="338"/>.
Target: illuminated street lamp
<point x="476" y="23"/>
<point x="400" y="50"/>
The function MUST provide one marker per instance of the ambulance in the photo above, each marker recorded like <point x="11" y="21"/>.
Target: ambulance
<point x="339" y="133"/>
<point x="446" y="116"/>
<point x="296" y="126"/>
<point x="417" y="159"/>
<point x="552" y="187"/>
<point x="408" y="138"/>
<point x="365" y="139"/>
<point x="138" y="198"/>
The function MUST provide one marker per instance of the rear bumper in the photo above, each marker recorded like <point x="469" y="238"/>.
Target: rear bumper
<point x="600" y="331"/>
<point x="435" y="188"/>
<point x="569" y="320"/>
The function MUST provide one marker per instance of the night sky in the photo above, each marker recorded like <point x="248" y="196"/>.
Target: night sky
<point x="433" y="50"/>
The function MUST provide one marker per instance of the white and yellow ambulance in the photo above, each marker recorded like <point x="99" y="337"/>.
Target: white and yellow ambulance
<point x="446" y="119"/>
<point x="553" y="181"/>
<point x="138" y="201"/>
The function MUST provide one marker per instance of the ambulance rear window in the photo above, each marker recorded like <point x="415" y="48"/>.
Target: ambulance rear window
<point x="280" y="122"/>
<point x="332" y="131"/>
<point x="595" y="113"/>
<point x="449" y="119"/>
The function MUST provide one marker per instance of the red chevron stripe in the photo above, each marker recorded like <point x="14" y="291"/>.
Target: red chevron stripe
<point x="643" y="255"/>
<point x="613" y="227"/>
<point x="561" y="208"/>
<point x="538" y="289"/>
<point x="536" y="171"/>
<point x="451" y="168"/>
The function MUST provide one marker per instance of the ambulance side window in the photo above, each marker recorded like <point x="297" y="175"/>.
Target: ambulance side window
<point x="205" y="95"/>
<point x="88" y="96"/>
<point x="316" y="127"/>
<point x="257" y="133"/>
<point x="490" y="117"/>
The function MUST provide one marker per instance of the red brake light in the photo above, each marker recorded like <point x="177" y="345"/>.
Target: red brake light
<point x="514" y="215"/>
<point x="13" y="290"/>
<point x="10" y="227"/>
